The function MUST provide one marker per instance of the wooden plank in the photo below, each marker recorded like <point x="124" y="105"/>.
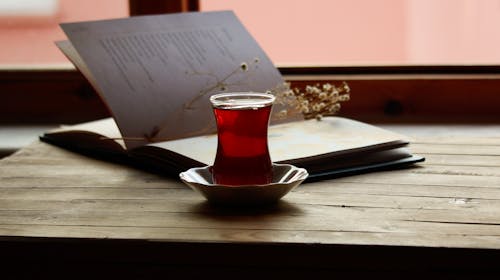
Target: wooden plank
<point x="89" y="192"/>
<point x="28" y="192"/>
<point x="457" y="239"/>
<point x="409" y="177"/>
<point x="434" y="176"/>
<point x="67" y="177"/>
<point x="477" y="149"/>
<point x="455" y="170"/>
<point x="184" y="201"/>
<point x="83" y="193"/>
<point x="465" y="160"/>
<point x="448" y="133"/>
<point x="458" y="137"/>
<point x="451" y="192"/>
<point x="318" y="218"/>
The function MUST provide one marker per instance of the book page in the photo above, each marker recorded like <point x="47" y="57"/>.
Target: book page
<point x="70" y="52"/>
<point x="100" y="137"/>
<point x="303" y="141"/>
<point x="156" y="73"/>
<point x="105" y="128"/>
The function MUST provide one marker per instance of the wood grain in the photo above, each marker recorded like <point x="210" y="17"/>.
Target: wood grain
<point x="450" y="201"/>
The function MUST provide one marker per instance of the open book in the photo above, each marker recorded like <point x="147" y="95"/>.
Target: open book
<point x="156" y="74"/>
<point x="332" y="146"/>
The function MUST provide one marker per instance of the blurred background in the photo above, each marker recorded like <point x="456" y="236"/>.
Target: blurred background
<point x="292" y="32"/>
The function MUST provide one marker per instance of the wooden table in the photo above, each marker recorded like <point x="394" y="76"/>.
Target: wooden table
<point x="62" y="213"/>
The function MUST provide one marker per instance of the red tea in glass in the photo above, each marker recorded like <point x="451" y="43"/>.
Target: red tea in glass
<point x="242" y="151"/>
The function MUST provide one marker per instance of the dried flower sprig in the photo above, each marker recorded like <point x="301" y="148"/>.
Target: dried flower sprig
<point x="314" y="101"/>
<point x="221" y="84"/>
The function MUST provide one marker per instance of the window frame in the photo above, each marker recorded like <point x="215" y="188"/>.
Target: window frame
<point x="380" y="94"/>
<point x="146" y="7"/>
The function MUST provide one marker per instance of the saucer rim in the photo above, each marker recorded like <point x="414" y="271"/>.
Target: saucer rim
<point x="303" y="171"/>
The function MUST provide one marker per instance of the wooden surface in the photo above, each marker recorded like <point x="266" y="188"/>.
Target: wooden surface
<point x="443" y="216"/>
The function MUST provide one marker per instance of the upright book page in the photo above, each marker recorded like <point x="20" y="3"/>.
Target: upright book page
<point x="156" y="73"/>
<point x="70" y="52"/>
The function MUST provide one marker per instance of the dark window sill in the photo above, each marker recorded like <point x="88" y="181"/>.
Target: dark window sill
<point x="470" y="95"/>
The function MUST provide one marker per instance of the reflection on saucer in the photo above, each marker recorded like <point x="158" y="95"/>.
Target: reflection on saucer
<point x="285" y="178"/>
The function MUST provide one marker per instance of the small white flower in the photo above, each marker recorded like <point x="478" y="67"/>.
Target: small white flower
<point x="346" y="87"/>
<point x="313" y="101"/>
<point x="344" y="97"/>
<point x="244" y="66"/>
<point x="283" y="114"/>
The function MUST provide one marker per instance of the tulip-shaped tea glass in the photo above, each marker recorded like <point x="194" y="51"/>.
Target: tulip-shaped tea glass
<point x="242" y="150"/>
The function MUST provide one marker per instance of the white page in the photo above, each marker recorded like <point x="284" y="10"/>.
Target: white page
<point x="296" y="140"/>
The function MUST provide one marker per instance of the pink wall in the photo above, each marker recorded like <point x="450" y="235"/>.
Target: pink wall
<point x="372" y="32"/>
<point x="453" y="31"/>
<point x="25" y="41"/>
<point x="298" y="32"/>
<point x="324" y="31"/>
